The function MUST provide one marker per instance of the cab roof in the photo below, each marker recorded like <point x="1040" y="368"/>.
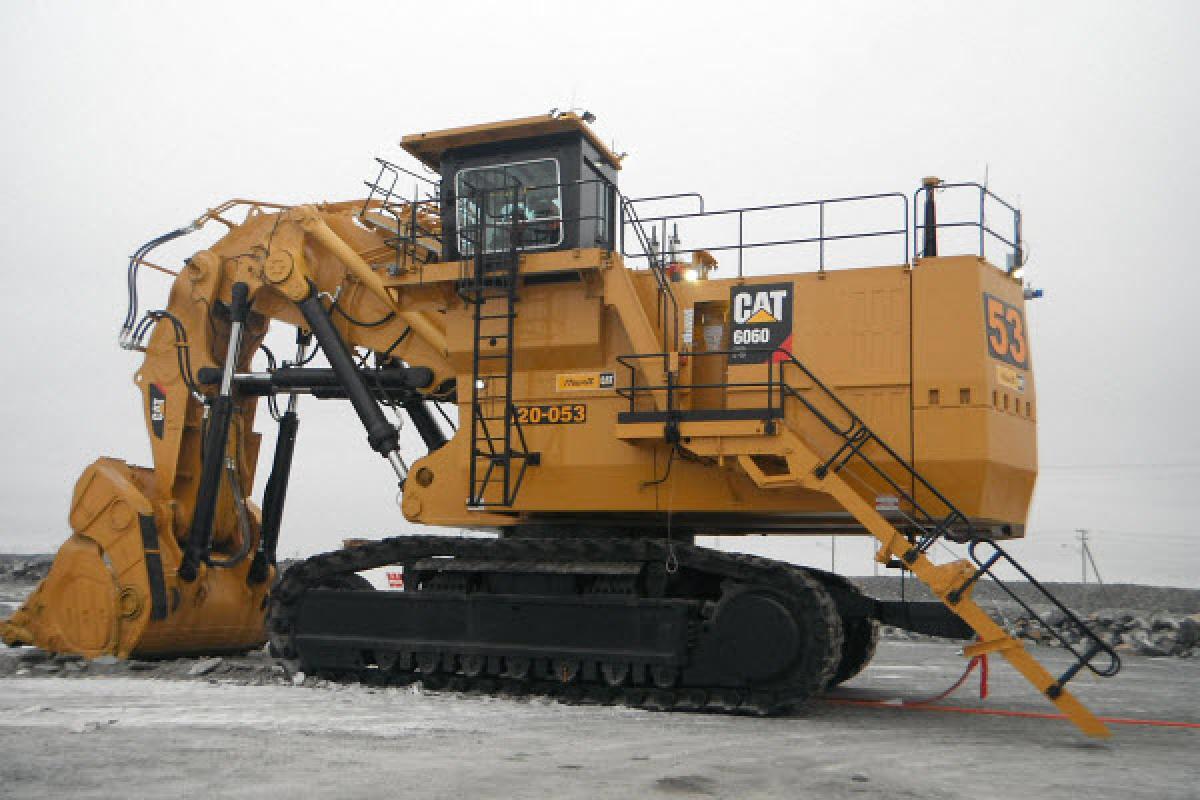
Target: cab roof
<point x="428" y="148"/>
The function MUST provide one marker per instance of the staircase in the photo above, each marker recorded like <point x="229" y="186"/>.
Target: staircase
<point x="775" y="457"/>
<point x="410" y="226"/>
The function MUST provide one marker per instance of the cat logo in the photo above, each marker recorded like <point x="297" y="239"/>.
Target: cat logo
<point x="762" y="322"/>
<point x="758" y="307"/>
<point x="158" y="410"/>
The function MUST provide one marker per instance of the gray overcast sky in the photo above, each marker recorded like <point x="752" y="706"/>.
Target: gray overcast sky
<point x="122" y="120"/>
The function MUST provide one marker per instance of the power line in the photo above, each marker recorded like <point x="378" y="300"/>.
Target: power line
<point x="1145" y="534"/>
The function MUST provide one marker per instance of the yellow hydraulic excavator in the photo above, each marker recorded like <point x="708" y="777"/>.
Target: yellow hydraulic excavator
<point x="589" y="390"/>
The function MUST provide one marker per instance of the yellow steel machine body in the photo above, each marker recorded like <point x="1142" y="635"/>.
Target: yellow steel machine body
<point x="633" y="395"/>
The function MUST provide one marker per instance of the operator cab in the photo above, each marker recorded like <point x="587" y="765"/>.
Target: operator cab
<point x="534" y="184"/>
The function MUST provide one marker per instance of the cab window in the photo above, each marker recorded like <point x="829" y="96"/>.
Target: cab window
<point x="509" y="204"/>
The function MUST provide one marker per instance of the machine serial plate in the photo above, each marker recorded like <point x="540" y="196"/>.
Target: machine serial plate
<point x="560" y="414"/>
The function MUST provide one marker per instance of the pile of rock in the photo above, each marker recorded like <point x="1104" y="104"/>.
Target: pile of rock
<point x="255" y="668"/>
<point x="1146" y="634"/>
<point x="1157" y="634"/>
<point x="24" y="569"/>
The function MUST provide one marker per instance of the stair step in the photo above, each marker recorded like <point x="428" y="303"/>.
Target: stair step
<point x="380" y="222"/>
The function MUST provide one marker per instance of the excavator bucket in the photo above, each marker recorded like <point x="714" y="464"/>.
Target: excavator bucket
<point x="113" y="589"/>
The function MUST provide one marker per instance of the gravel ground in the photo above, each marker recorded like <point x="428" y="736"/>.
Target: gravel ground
<point x="240" y="727"/>
<point x="131" y="735"/>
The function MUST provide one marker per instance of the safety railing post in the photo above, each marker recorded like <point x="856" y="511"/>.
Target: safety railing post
<point x="982" y="224"/>
<point x="1018" y="255"/>
<point x="821" y="257"/>
<point x="740" y="247"/>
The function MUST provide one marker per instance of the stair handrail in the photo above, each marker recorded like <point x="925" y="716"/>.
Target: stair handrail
<point x="1097" y="647"/>
<point x="855" y="437"/>
<point x="629" y="216"/>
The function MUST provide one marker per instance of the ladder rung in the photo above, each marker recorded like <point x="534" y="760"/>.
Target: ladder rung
<point x="1056" y="689"/>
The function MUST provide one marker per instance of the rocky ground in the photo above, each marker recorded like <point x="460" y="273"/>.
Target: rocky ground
<point x="1077" y="596"/>
<point x="18" y="576"/>
<point x="239" y="727"/>
<point x="1146" y="620"/>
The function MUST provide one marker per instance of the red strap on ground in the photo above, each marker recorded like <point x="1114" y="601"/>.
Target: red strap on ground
<point x="929" y="704"/>
<point x="977" y="661"/>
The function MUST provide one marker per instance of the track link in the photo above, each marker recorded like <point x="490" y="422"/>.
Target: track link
<point x="795" y="583"/>
<point x="860" y="634"/>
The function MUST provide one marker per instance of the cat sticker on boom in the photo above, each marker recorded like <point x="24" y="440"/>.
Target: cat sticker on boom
<point x="158" y="410"/>
<point x="762" y="322"/>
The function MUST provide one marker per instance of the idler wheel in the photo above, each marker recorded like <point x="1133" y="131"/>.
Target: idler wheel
<point x="760" y="637"/>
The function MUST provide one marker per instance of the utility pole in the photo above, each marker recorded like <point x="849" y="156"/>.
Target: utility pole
<point x="1083" y="557"/>
<point x="833" y="554"/>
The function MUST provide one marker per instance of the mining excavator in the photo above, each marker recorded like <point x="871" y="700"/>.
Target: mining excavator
<point x="592" y="397"/>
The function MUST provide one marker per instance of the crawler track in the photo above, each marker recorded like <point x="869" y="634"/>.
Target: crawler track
<point x="818" y="661"/>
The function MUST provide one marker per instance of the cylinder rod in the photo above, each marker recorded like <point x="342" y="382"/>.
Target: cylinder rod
<point x="216" y="438"/>
<point x="381" y="434"/>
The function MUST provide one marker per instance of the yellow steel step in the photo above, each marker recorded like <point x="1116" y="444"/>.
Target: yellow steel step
<point x="706" y="430"/>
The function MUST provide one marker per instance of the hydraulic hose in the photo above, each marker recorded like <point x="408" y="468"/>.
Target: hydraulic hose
<point x="135" y="260"/>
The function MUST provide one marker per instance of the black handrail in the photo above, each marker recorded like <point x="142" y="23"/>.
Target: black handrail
<point x="675" y="196"/>
<point x="742" y="245"/>
<point x="1015" y="244"/>
<point x="1098" y="646"/>
<point x="855" y="436"/>
<point x="402" y="209"/>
